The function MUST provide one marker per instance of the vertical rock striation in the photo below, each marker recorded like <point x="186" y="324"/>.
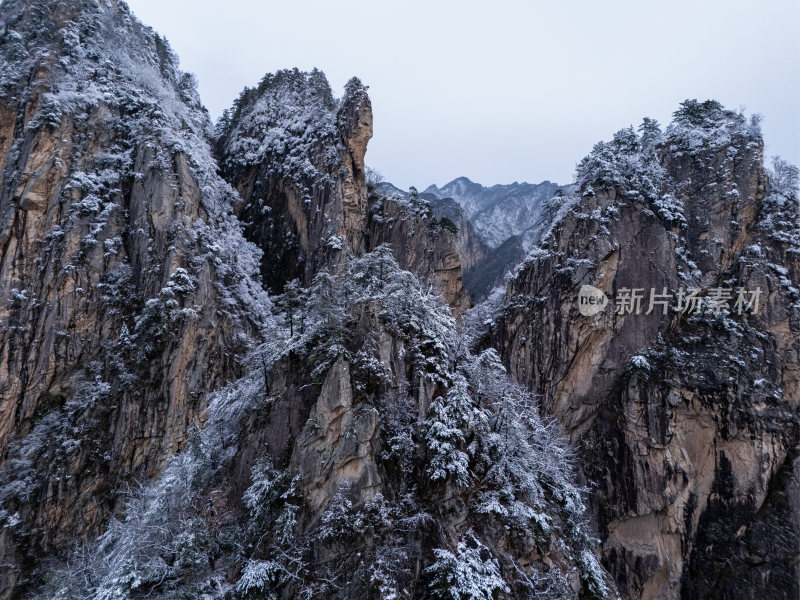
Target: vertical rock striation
<point x="422" y="242"/>
<point x="296" y="156"/>
<point x="350" y="444"/>
<point x="127" y="292"/>
<point x="688" y="422"/>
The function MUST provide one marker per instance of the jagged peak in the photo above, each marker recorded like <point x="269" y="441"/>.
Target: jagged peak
<point x="709" y="114"/>
<point x="288" y="84"/>
<point x="290" y="116"/>
<point x="353" y="102"/>
<point x="67" y="26"/>
<point x="698" y="126"/>
<point x="355" y="120"/>
<point x="354" y="88"/>
<point x="309" y="88"/>
<point x="632" y="161"/>
<point x="459" y="181"/>
<point x="463" y="183"/>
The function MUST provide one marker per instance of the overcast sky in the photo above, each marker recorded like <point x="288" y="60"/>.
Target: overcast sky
<point x="502" y="91"/>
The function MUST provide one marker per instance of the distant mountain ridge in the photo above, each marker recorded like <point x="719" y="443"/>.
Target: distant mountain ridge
<point x="504" y="222"/>
<point x="484" y="265"/>
<point x="500" y="211"/>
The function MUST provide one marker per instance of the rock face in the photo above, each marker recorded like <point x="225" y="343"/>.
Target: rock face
<point x="501" y="211"/>
<point x="367" y="454"/>
<point x="296" y="156"/>
<point x="118" y="257"/>
<point x="130" y="296"/>
<point x="341" y="447"/>
<point x="421" y="242"/>
<point x="470" y="245"/>
<point x="483" y="267"/>
<point x="687" y="422"/>
<point x="166" y="432"/>
<point x="489" y="274"/>
<point x="354" y="434"/>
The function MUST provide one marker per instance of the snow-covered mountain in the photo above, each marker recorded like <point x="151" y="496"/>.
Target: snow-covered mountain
<point x="500" y="211"/>
<point x="484" y="266"/>
<point x="232" y="367"/>
<point x="673" y="408"/>
<point x="228" y="367"/>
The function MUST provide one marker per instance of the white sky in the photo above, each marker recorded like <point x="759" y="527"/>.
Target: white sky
<point x="505" y="90"/>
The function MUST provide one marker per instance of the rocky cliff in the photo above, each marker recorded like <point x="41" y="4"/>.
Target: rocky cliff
<point x="127" y="289"/>
<point x="367" y="454"/>
<point x="483" y="267"/>
<point x="470" y="245"/>
<point x="296" y="156"/>
<point x="489" y="274"/>
<point x="686" y="415"/>
<point x="423" y="241"/>
<point x="168" y="429"/>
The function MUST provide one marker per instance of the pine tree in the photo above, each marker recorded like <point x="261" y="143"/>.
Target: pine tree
<point x="449" y="428"/>
<point x="291" y="302"/>
<point x="650" y="133"/>
<point x="465" y="575"/>
<point x="327" y="302"/>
